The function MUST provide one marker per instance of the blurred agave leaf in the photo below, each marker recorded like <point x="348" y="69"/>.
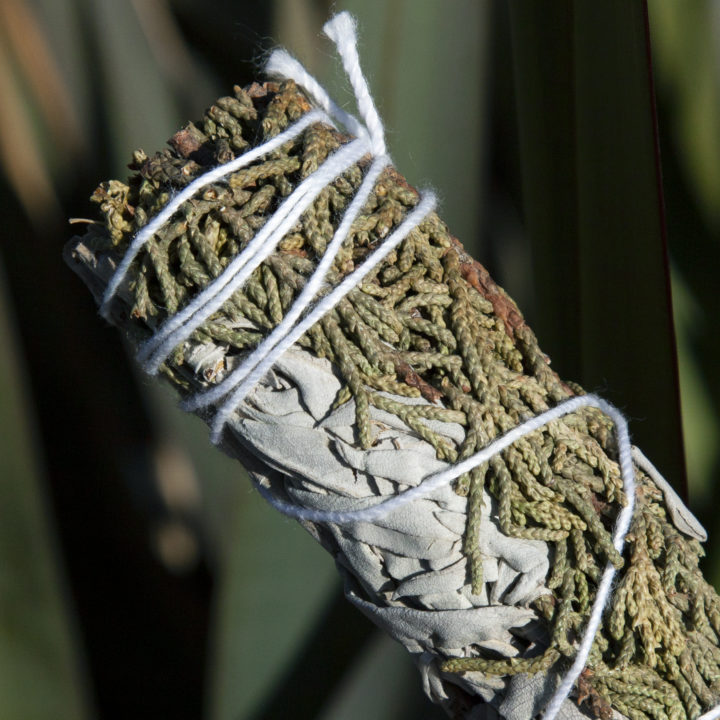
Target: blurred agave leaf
<point x="29" y="124"/>
<point x="152" y="652"/>
<point x="296" y="26"/>
<point x="543" y="54"/>
<point x="595" y="209"/>
<point x="36" y="61"/>
<point x="140" y="107"/>
<point x="699" y="418"/>
<point x="685" y="43"/>
<point x="628" y="336"/>
<point x="63" y="28"/>
<point x="172" y="56"/>
<point x="58" y="58"/>
<point x="381" y="685"/>
<point x="274" y="585"/>
<point x="435" y="118"/>
<point x="40" y="672"/>
<point x="685" y="36"/>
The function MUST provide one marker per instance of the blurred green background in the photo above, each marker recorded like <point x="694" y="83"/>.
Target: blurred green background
<point x="139" y="574"/>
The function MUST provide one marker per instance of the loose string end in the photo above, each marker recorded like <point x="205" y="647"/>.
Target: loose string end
<point x="342" y="31"/>
<point x="341" y="25"/>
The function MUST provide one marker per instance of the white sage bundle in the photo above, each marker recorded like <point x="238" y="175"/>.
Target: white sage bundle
<point x="488" y="581"/>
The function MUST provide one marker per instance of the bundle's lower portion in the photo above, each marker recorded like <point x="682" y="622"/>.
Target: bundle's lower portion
<point x="488" y="582"/>
<point x="406" y="572"/>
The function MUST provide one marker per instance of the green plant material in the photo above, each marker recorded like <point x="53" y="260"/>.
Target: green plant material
<point x="40" y="673"/>
<point x="591" y="185"/>
<point x="429" y="321"/>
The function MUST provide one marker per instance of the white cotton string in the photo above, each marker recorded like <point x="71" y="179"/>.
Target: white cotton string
<point x="309" y="291"/>
<point x="440" y="479"/>
<point x="341" y="30"/>
<point x="604" y="591"/>
<point x="215" y="175"/>
<point x="425" y="206"/>
<point x="444" y="477"/>
<point x="283" y="64"/>
<point x="181" y="325"/>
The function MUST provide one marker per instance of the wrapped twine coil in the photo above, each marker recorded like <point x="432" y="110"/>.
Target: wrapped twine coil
<point x="488" y="582"/>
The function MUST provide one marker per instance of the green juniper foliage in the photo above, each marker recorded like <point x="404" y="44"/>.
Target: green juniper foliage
<point x="430" y="322"/>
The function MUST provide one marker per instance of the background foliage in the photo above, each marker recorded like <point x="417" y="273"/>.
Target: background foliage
<point x="139" y="576"/>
